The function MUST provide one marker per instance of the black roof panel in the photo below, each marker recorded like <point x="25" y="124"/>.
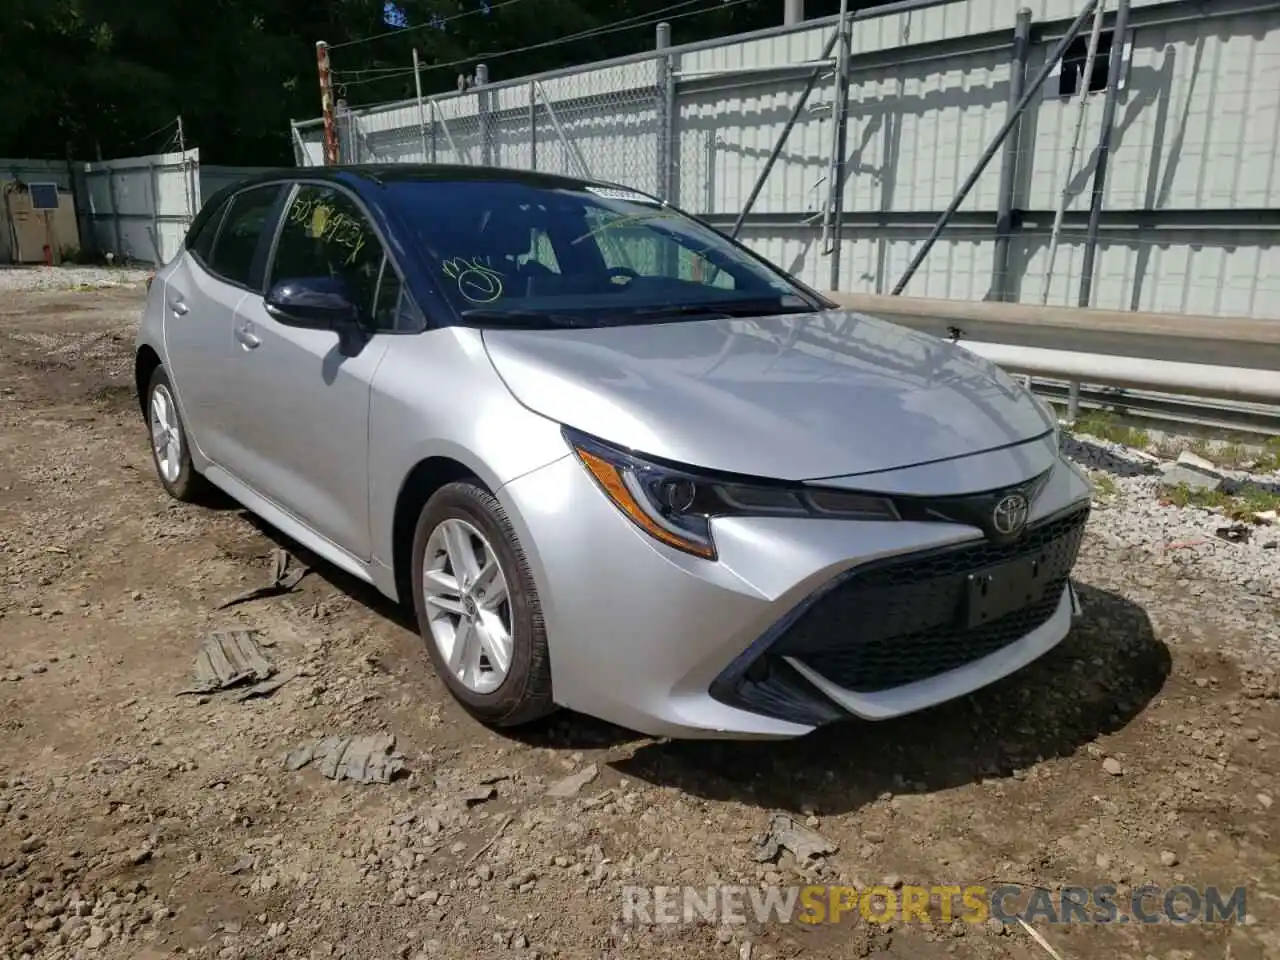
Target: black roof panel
<point x="385" y="172"/>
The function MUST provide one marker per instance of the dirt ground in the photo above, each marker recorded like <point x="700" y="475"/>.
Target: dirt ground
<point x="138" y="824"/>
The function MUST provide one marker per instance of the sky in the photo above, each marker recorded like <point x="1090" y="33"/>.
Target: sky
<point x="393" y="14"/>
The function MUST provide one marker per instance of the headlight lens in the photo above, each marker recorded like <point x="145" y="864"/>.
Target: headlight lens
<point x="676" y="506"/>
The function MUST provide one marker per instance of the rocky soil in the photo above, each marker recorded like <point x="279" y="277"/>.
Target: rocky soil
<point x="137" y="822"/>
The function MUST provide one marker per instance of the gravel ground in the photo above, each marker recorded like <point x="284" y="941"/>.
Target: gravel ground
<point x="34" y="279"/>
<point x="1132" y="509"/>
<point x="137" y="824"/>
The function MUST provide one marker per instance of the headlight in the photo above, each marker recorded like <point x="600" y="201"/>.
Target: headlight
<point x="676" y="505"/>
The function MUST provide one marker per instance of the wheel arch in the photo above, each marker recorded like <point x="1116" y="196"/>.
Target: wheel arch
<point x="145" y="363"/>
<point x="420" y="483"/>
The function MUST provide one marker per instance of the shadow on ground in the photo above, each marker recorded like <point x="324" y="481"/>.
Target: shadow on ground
<point x="1095" y="682"/>
<point x="1096" y="454"/>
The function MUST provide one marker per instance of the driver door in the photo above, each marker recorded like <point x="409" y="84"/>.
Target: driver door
<point x="301" y="399"/>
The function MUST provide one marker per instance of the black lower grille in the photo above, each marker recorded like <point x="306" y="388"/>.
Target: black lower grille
<point x="897" y="621"/>
<point x="903" y="620"/>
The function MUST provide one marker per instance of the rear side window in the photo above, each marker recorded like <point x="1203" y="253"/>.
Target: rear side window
<point x="244" y="227"/>
<point x="201" y="243"/>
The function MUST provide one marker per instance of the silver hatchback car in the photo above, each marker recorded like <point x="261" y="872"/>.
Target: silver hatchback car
<point x="615" y="461"/>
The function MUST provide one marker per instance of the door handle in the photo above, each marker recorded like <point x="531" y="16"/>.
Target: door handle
<point x="247" y="338"/>
<point x="179" y="308"/>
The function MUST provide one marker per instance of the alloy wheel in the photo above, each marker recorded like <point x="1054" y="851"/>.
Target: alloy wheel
<point x="468" y="605"/>
<point x="166" y="434"/>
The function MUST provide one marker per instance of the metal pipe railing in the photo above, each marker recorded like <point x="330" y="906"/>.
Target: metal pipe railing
<point x="1223" y="357"/>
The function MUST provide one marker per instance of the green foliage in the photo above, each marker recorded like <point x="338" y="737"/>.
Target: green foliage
<point x="90" y="76"/>
<point x="1103" y="425"/>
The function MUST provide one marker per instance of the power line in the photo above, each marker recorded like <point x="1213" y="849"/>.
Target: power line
<point x="644" y="20"/>
<point x="628" y="23"/>
<point x="436" y="23"/>
<point x="158" y="130"/>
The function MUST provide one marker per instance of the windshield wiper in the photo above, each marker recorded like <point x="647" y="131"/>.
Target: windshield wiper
<point x="727" y="308"/>
<point x="526" y="319"/>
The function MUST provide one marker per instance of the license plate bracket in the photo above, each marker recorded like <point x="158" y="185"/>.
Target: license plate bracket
<point x="999" y="590"/>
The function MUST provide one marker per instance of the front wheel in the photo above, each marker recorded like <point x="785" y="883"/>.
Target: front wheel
<point x="478" y="609"/>
<point x="170" y="449"/>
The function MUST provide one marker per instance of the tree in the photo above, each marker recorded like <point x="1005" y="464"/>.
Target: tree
<point x="112" y="76"/>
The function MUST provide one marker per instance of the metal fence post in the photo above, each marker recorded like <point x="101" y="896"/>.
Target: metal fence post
<point x="84" y="226"/>
<point x="533" y="126"/>
<point x="664" y="100"/>
<point x="1009" y="161"/>
<point x="115" y="212"/>
<point x="326" y="104"/>
<point x="483" y="112"/>
<point x="1064" y="195"/>
<point x="342" y="131"/>
<point x="1115" y="67"/>
<point x="1050" y="62"/>
<point x="422" y="111"/>
<point x="841" y="120"/>
<point x="153" y="180"/>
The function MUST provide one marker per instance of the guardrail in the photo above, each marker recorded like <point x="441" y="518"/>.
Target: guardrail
<point x="1226" y="358"/>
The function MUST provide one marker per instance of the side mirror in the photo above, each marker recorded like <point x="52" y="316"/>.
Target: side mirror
<point x="317" y="303"/>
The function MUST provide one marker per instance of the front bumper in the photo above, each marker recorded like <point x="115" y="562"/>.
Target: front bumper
<point x="800" y="622"/>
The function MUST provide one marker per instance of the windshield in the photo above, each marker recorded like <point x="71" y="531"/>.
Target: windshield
<point x="515" y="254"/>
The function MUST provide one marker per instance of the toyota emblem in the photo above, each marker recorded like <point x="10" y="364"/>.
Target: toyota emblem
<point x="1010" y="515"/>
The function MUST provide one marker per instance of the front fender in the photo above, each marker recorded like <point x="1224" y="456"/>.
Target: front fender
<point x="436" y="395"/>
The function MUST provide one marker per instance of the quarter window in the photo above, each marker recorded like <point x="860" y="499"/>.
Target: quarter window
<point x="201" y="242"/>
<point x="243" y="227"/>
<point x="325" y="234"/>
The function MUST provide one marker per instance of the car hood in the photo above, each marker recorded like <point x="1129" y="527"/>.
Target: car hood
<point x="794" y="397"/>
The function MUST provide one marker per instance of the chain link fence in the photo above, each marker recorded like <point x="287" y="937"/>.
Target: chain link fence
<point x="597" y="123"/>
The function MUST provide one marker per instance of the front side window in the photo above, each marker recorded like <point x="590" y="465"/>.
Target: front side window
<point x="326" y="234"/>
<point x="582" y="256"/>
<point x="244" y="227"/>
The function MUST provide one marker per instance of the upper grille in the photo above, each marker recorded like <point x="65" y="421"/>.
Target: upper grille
<point x="902" y="620"/>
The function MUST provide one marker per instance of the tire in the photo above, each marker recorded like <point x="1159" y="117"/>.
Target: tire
<point x="184" y="483"/>
<point x="523" y="693"/>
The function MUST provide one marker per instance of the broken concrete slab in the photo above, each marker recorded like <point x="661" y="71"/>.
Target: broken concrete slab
<point x="266" y="688"/>
<point x="227" y="659"/>
<point x="474" y="795"/>
<point x="571" y="785"/>
<point x="787" y="833"/>
<point x="1192" y="471"/>
<point x="371" y="758"/>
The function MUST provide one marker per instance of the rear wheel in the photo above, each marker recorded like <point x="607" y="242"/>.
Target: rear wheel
<point x="170" y="450"/>
<point x="478" y="609"/>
